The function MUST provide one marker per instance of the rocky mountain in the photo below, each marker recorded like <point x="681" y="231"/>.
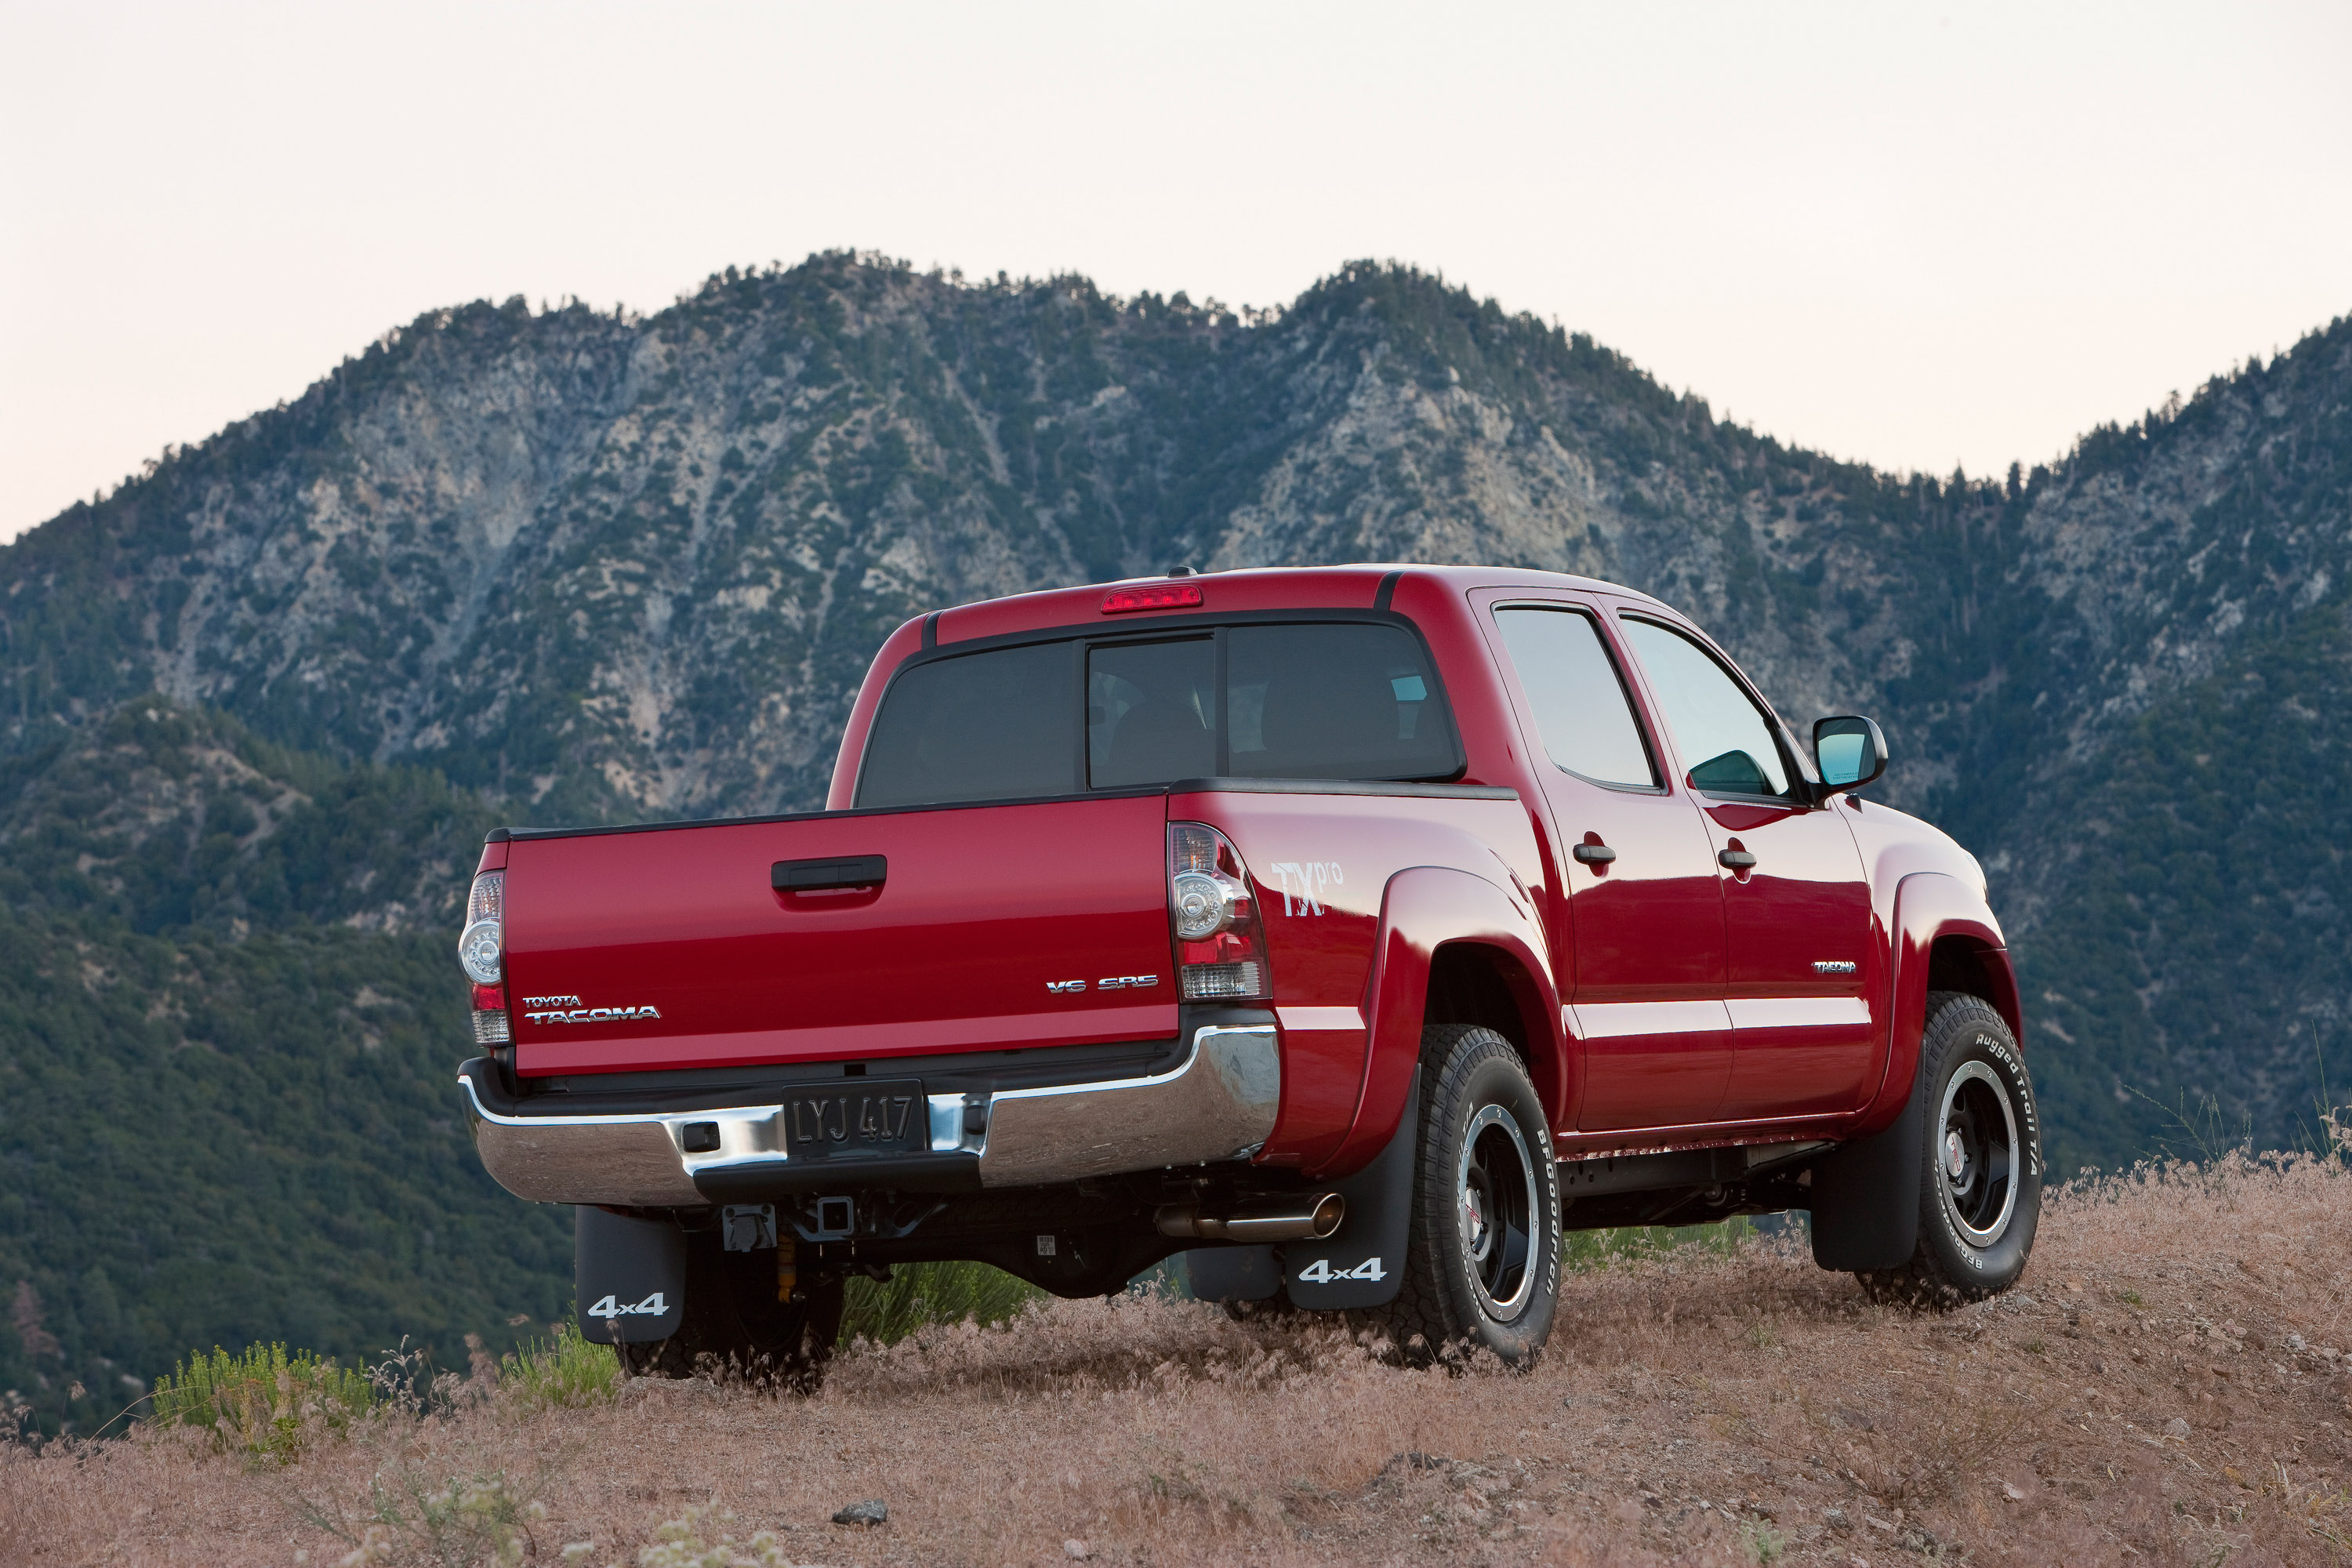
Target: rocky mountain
<point x="595" y="568"/>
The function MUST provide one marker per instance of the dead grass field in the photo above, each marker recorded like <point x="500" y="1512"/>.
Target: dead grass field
<point x="2169" y="1385"/>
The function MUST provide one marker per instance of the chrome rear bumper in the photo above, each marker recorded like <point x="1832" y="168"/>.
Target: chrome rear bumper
<point x="1219" y="1103"/>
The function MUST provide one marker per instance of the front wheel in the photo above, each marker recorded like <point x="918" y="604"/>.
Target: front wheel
<point x="1981" y="1161"/>
<point x="1481" y="1256"/>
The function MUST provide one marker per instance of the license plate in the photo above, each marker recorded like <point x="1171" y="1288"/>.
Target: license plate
<point x="861" y="1116"/>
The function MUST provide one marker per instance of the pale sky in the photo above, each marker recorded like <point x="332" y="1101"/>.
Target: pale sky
<point x="1917" y="235"/>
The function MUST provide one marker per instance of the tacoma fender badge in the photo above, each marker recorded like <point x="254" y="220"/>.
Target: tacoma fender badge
<point x="1835" y="966"/>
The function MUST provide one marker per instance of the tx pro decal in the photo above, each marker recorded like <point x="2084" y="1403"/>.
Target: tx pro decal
<point x="652" y="1306"/>
<point x="1303" y="882"/>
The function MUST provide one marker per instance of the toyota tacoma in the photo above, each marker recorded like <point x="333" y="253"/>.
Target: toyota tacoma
<point x="1352" y="931"/>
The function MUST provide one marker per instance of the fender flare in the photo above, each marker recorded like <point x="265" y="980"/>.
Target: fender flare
<point x="1928" y="907"/>
<point x="1423" y="908"/>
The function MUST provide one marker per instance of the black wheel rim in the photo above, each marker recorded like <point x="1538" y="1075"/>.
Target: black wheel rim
<point x="1977" y="1153"/>
<point x="1495" y="1190"/>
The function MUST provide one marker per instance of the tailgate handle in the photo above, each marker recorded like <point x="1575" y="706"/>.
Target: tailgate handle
<point x="841" y="871"/>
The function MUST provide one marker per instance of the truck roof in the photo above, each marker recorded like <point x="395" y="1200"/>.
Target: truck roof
<point x="1348" y="587"/>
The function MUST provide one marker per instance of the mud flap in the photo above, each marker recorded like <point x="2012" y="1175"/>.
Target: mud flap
<point x="631" y="1276"/>
<point x="1363" y="1265"/>
<point x="1865" y="1197"/>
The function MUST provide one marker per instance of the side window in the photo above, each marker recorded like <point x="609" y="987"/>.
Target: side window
<point x="999" y="725"/>
<point x="1581" y="711"/>
<point x="1721" y="734"/>
<point x="1152" y="712"/>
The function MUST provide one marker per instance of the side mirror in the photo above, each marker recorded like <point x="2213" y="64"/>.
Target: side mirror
<point x="1850" y="751"/>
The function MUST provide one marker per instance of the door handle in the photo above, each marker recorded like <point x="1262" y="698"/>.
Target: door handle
<point x="1594" y="854"/>
<point x="1736" y="860"/>
<point x="816" y="875"/>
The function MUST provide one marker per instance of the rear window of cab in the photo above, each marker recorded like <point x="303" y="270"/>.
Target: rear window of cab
<point x="1320" y="700"/>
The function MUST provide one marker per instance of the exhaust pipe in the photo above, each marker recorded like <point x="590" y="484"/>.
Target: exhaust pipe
<point x="1305" y="1219"/>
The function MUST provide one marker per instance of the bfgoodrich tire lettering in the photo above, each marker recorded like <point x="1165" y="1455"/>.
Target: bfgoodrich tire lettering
<point x="1481" y="1256"/>
<point x="1980" y="1160"/>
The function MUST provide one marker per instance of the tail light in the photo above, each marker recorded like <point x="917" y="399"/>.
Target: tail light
<point x="1220" y="941"/>
<point x="491" y="1025"/>
<point x="481" y="949"/>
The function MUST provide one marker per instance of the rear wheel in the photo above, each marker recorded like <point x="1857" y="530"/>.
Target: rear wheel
<point x="1481" y="1256"/>
<point x="735" y="1324"/>
<point x="1981" y="1161"/>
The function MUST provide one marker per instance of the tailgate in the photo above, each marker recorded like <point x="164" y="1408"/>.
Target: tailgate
<point x="680" y="938"/>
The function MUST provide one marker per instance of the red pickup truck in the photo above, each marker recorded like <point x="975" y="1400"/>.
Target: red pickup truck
<point x="1352" y="931"/>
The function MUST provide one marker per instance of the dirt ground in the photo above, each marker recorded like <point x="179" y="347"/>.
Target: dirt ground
<point x="2169" y="1384"/>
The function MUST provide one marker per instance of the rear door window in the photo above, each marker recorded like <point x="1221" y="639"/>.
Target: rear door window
<point x="1581" y="707"/>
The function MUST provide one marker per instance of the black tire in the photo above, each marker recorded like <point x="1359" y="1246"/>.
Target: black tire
<point x="734" y="1326"/>
<point x="1981" y="1161"/>
<point x="1481" y="1256"/>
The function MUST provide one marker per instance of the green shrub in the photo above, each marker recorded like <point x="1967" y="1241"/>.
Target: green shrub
<point x="477" y="1521"/>
<point x="920" y="1294"/>
<point x="263" y="1401"/>
<point x="566" y="1370"/>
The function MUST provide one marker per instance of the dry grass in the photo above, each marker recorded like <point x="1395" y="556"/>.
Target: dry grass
<point x="1698" y="1407"/>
